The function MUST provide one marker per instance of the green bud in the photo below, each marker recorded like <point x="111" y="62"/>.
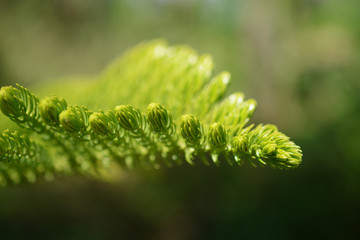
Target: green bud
<point x="100" y="123"/>
<point x="72" y="120"/>
<point x="160" y="120"/>
<point x="217" y="136"/>
<point x="10" y="104"/>
<point x="191" y="129"/>
<point x="129" y="117"/>
<point x="50" y="109"/>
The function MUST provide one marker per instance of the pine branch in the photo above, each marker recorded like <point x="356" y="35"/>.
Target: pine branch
<point x="197" y="126"/>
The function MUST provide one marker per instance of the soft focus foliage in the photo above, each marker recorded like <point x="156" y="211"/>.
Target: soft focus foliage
<point x="135" y="139"/>
<point x="298" y="59"/>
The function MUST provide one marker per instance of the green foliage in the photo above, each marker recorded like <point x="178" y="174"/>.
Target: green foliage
<point x="21" y="106"/>
<point x="21" y="159"/>
<point x="50" y="109"/>
<point x="265" y="145"/>
<point x="181" y="91"/>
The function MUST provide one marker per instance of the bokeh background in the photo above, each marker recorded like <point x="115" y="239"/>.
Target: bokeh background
<point x="300" y="59"/>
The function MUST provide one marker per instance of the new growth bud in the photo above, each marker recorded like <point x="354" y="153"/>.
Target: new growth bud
<point x="129" y="117"/>
<point x="100" y="124"/>
<point x="217" y="137"/>
<point x="191" y="130"/>
<point x="72" y="120"/>
<point x="160" y="120"/>
<point x="10" y="104"/>
<point x="50" y="109"/>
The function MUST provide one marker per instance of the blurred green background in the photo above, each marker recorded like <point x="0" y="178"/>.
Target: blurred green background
<point x="299" y="59"/>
